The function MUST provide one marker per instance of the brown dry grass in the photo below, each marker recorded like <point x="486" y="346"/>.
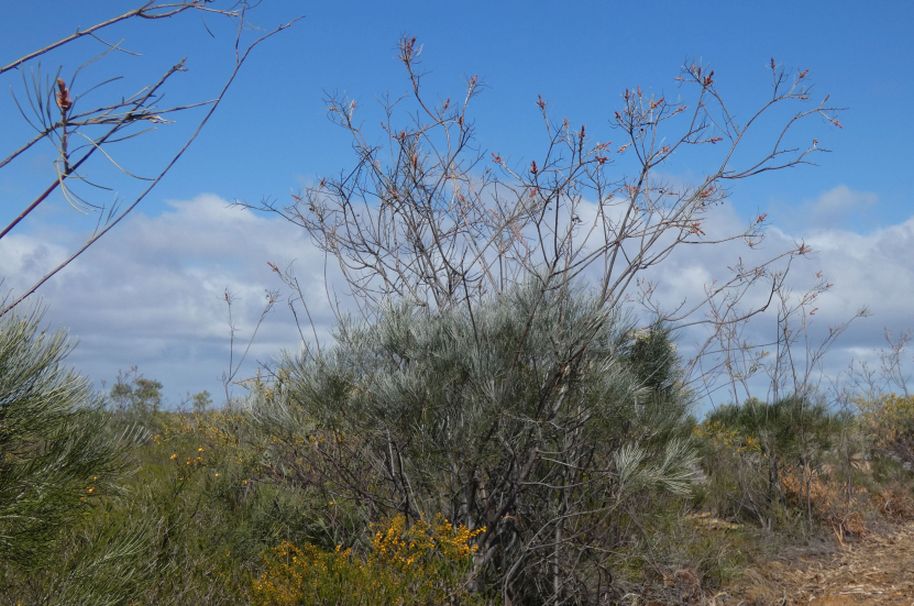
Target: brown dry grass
<point x="878" y="569"/>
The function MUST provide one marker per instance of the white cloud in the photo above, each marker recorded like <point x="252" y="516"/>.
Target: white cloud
<point x="27" y="255"/>
<point x="151" y="293"/>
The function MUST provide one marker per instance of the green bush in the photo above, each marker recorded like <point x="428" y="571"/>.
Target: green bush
<point x="537" y="416"/>
<point x="59" y="458"/>
<point x="53" y="458"/>
<point x="750" y="450"/>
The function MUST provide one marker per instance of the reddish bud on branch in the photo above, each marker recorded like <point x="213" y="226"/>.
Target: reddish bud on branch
<point x="64" y="102"/>
<point x="707" y="192"/>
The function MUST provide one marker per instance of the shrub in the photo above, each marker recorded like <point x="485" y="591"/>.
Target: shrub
<point x="60" y="459"/>
<point x="890" y="423"/>
<point x="420" y="564"/>
<point x="55" y="455"/>
<point x="749" y="449"/>
<point x="526" y="417"/>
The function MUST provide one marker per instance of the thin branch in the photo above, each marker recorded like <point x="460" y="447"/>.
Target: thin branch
<point x="177" y="156"/>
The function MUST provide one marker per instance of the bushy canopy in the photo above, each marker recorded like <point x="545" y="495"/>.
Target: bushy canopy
<point x="538" y="416"/>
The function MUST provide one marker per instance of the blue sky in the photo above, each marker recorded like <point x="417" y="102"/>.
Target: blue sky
<point x="272" y="134"/>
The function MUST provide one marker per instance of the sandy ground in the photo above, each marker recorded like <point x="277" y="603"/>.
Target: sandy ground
<point x="878" y="569"/>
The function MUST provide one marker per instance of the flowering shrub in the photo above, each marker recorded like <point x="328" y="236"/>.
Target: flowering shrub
<point x="425" y="563"/>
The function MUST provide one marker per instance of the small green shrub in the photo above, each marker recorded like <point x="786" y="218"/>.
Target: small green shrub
<point x="749" y="449"/>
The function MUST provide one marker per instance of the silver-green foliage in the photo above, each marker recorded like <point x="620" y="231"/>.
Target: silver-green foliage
<point x="527" y="416"/>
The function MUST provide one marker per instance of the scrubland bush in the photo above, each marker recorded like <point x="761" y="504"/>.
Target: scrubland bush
<point x="795" y="465"/>
<point x="890" y="422"/>
<point x="750" y="449"/>
<point x="492" y="378"/>
<point x="127" y="505"/>
<point x="528" y="418"/>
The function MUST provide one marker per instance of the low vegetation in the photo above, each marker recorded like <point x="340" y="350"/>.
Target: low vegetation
<point x="420" y="462"/>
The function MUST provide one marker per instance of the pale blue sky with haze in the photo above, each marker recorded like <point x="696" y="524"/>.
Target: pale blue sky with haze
<point x="272" y="135"/>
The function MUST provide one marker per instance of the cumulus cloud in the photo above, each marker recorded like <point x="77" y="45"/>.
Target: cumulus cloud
<point x="152" y="292"/>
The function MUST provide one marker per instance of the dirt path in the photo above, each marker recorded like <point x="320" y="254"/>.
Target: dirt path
<point x="877" y="570"/>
